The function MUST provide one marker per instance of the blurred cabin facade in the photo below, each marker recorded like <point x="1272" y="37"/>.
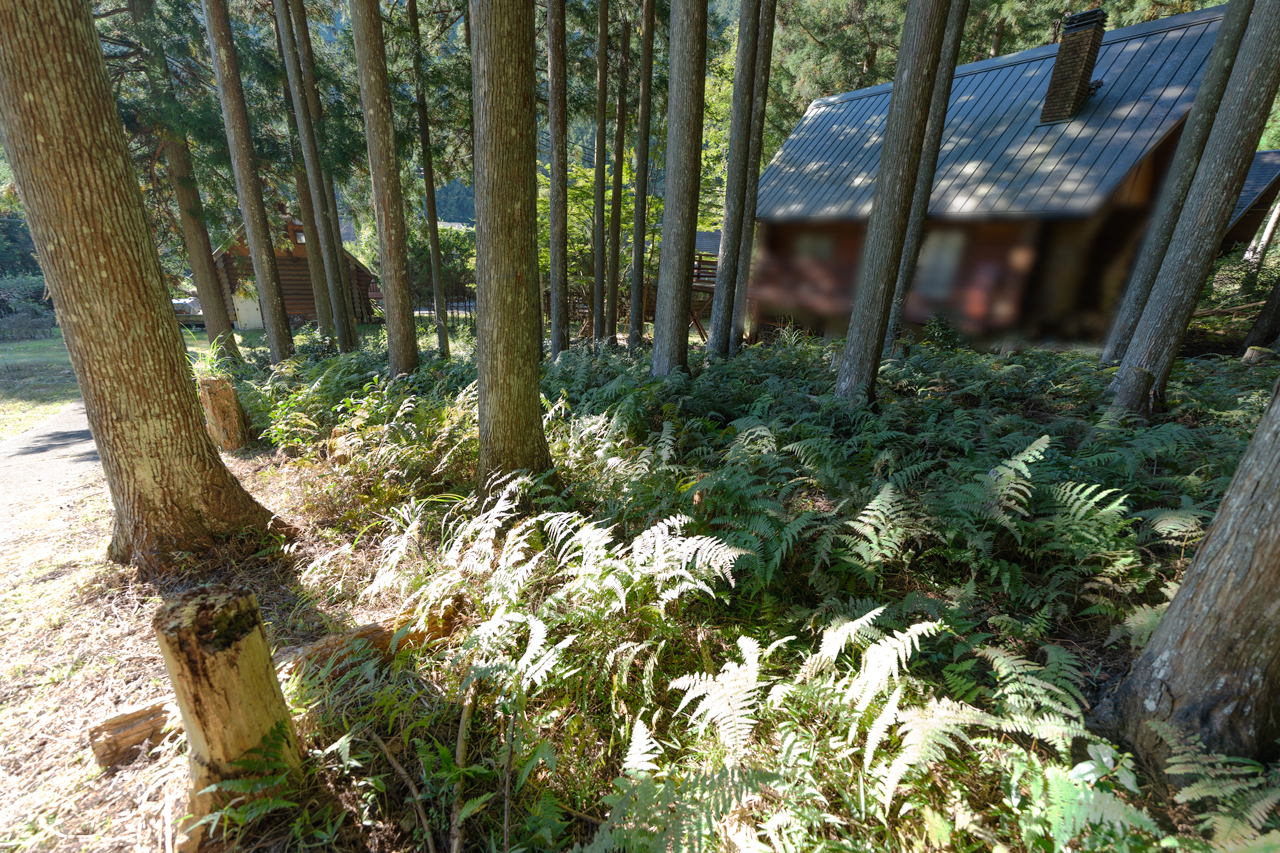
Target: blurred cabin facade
<point x="1049" y="168"/>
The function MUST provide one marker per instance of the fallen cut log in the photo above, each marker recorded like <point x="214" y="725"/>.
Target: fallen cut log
<point x="224" y="418"/>
<point x="125" y="736"/>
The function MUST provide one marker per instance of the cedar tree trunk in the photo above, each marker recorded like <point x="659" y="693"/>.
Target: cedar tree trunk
<point x="1212" y="667"/>
<point x="384" y="170"/>
<point x="688" y="50"/>
<point x="257" y="230"/>
<point x="615" y="204"/>
<point x="63" y="139"/>
<point x="598" y="233"/>
<point x="329" y="256"/>
<point x="1257" y="254"/>
<point x="746" y="242"/>
<point x="557" y="118"/>
<point x="941" y="100"/>
<point x="195" y="236"/>
<point x="1177" y="182"/>
<point x="641" y="225"/>
<point x="735" y="187"/>
<point x="511" y="436"/>
<point x="895" y="188"/>
<point x="429" y="184"/>
<point x="1228" y="153"/>
<point x="326" y="207"/>
<point x="315" y="264"/>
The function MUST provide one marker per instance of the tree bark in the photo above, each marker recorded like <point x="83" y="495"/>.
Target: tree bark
<point x="257" y="230"/>
<point x="746" y="242"/>
<point x="330" y="258"/>
<point x="735" y="186"/>
<point x="686" y="88"/>
<point x="1212" y="667"/>
<point x="315" y="263"/>
<point x="1228" y="153"/>
<point x="558" y="118"/>
<point x="615" y="206"/>
<point x="598" y="232"/>
<point x="326" y="207"/>
<point x="1177" y="182"/>
<point x="384" y="170"/>
<point x="938" y="105"/>
<point x="219" y="662"/>
<point x="1266" y="326"/>
<point x="895" y="187"/>
<point x="62" y="138"/>
<point x="511" y="436"/>
<point x="997" y="39"/>
<point x="429" y="184"/>
<point x="195" y="235"/>
<point x="1257" y="254"/>
<point x="640" y="227"/>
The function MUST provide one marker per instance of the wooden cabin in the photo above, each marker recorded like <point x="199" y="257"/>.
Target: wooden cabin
<point x="1049" y="167"/>
<point x="234" y="267"/>
<point x="1261" y="187"/>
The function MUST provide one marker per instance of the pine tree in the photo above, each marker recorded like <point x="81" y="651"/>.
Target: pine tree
<point x="602" y="106"/>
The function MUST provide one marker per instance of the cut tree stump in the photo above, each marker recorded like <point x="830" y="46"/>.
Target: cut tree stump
<point x="224" y="418"/>
<point x="123" y="737"/>
<point x="219" y="662"/>
<point x="1257" y="355"/>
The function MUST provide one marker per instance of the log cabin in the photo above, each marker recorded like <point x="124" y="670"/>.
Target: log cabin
<point x="1049" y="167"/>
<point x="234" y="267"/>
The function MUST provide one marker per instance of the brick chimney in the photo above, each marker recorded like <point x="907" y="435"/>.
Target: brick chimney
<point x="1072" y="79"/>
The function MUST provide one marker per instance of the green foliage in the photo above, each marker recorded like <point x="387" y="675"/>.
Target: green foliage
<point x="25" y="310"/>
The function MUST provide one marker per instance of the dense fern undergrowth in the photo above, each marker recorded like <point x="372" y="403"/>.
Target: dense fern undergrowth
<point x="755" y="617"/>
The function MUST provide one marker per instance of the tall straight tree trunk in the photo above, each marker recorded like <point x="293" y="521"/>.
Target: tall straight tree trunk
<point x="511" y="436"/>
<point x="429" y="184"/>
<point x="325" y="203"/>
<point x="746" y="242"/>
<point x="941" y="100"/>
<point x="1177" y="182"/>
<point x="315" y="263"/>
<point x="304" y="122"/>
<point x="686" y="87"/>
<point x="384" y="170"/>
<point x="615" y="205"/>
<point x="62" y="137"/>
<point x="1228" y="153"/>
<point x="895" y="188"/>
<point x="235" y="116"/>
<point x="641" y="224"/>
<point x="1266" y="328"/>
<point x="1212" y="667"/>
<point x="557" y="118"/>
<point x="997" y="39"/>
<point x="195" y="235"/>
<point x="735" y="187"/>
<point x="602" y="107"/>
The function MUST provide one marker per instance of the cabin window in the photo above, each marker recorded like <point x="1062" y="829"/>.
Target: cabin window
<point x="299" y="237"/>
<point x="818" y="247"/>
<point x="940" y="258"/>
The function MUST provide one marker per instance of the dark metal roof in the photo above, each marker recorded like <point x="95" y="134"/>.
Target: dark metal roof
<point x="1264" y="171"/>
<point x="707" y="243"/>
<point x="996" y="159"/>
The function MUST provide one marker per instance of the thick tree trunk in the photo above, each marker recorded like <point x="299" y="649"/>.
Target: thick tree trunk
<point x="429" y="184"/>
<point x="1212" y="667"/>
<point x="895" y="188"/>
<point x="1257" y="254"/>
<point x="558" y="119"/>
<point x="511" y="436"/>
<point x="735" y="185"/>
<point x="997" y="39"/>
<point x="1228" y="153"/>
<point x="615" y="203"/>
<point x="218" y="659"/>
<point x="325" y="206"/>
<point x="304" y="122"/>
<point x="1266" y="326"/>
<point x="62" y="137"/>
<point x="384" y="170"/>
<point x="686" y="87"/>
<point x="195" y="236"/>
<point x="640" y="227"/>
<point x="257" y="230"/>
<point x="315" y="263"/>
<point x="602" y="107"/>
<point x="1177" y="182"/>
<point x="746" y="240"/>
<point x="941" y="100"/>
